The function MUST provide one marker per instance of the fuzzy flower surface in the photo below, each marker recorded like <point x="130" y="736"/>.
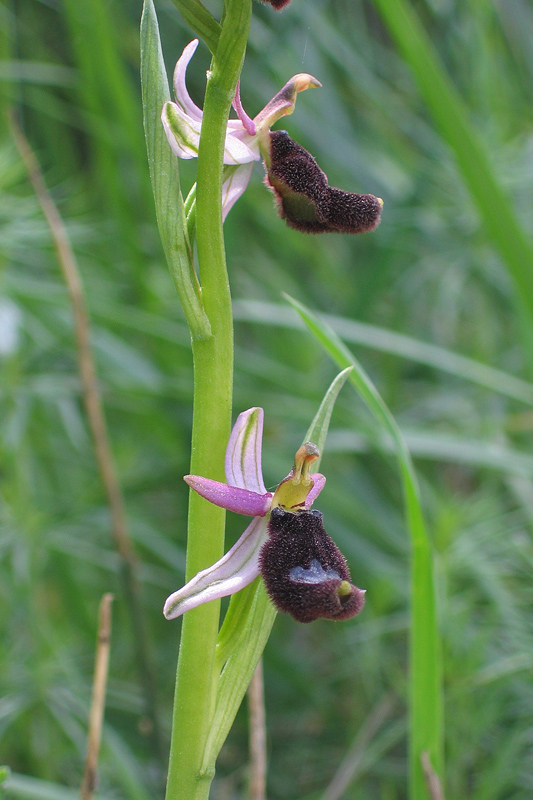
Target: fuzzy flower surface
<point x="304" y="198"/>
<point x="182" y="121"/>
<point x="304" y="572"/>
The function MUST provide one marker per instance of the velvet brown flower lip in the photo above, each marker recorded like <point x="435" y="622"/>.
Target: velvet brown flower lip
<point x="277" y="4"/>
<point x="305" y="199"/>
<point x="304" y="572"/>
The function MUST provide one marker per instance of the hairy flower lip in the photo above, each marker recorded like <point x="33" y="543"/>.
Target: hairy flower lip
<point x="304" y="198"/>
<point x="305" y="573"/>
<point x="277" y="5"/>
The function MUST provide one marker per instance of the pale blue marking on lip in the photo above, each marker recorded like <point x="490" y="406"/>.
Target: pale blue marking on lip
<point x="314" y="574"/>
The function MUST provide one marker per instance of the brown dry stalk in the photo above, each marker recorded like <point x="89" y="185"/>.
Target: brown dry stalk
<point x="257" y="735"/>
<point x="89" y="382"/>
<point x="353" y="761"/>
<point x="96" y="418"/>
<point x="96" y="715"/>
<point x="432" y="779"/>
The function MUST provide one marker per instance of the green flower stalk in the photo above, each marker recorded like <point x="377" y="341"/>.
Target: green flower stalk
<point x="213" y="378"/>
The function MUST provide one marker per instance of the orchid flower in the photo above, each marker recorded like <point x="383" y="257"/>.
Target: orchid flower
<point x="182" y="122"/>
<point x="304" y="572"/>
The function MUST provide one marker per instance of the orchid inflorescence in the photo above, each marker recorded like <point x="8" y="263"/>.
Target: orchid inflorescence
<point x="302" y="194"/>
<point x="304" y="572"/>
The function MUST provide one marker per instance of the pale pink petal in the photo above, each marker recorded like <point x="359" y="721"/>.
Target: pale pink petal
<point x="183" y="134"/>
<point x="248" y="123"/>
<point x="319" y="481"/>
<point x="234" y="571"/>
<point x="236" y="126"/>
<point x="242" y="501"/>
<point x="243" y="454"/>
<point x="180" y="86"/>
<point x="182" y="131"/>
<point x="236" y="149"/>
<point x="234" y="185"/>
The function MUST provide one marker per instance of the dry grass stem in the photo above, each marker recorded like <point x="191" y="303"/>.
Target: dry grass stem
<point x="87" y="369"/>
<point x="257" y="726"/>
<point x="352" y="761"/>
<point x="432" y="779"/>
<point x="96" y="419"/>
<point x="96" y="716"/>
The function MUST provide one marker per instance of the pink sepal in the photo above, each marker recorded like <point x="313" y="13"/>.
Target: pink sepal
<point x="319" y="481"/>
<point x="242" y="501"/>
<point x="243" y="454"/>
<point x="234" y="571"/>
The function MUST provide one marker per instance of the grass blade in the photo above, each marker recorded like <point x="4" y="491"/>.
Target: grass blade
<point x="26" y="788"/>
<point x="433" y="445"/>
<point x="451" y="118"/>
<point x="425" y="657"/>
<point x="398" y="344"/>
<point x="109" y="106"/>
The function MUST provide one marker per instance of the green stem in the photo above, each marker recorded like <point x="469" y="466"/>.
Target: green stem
<point x="196" y="680"/>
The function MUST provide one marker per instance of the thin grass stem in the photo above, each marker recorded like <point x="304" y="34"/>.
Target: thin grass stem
<point x="97" y="424"/>
<point x="257" y="735"/>
<point x="96" y="716"/>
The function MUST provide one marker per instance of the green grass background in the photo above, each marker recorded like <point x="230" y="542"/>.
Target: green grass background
<point x="433" y="282"/>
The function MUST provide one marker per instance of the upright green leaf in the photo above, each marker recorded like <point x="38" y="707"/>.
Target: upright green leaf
<point x="425" y="656"/>
<point x="165" y="179"/>
<point x="318" y="430"/>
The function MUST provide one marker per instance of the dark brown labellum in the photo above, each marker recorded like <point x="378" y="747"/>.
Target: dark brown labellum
<point x="277" y="4"/>
<point x="305" y="199"/>
<point x="304" y="571"/>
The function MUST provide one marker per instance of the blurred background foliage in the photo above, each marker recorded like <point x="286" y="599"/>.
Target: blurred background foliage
<point x="430" y="273"/>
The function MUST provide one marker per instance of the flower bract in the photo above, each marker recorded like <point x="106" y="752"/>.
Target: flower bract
<point x="304" y="572"/>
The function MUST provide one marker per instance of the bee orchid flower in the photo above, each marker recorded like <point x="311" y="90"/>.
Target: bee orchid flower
<point x="302" y="194"/>
<point x="304" y="572"/>
<point x="182" y="121"/>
